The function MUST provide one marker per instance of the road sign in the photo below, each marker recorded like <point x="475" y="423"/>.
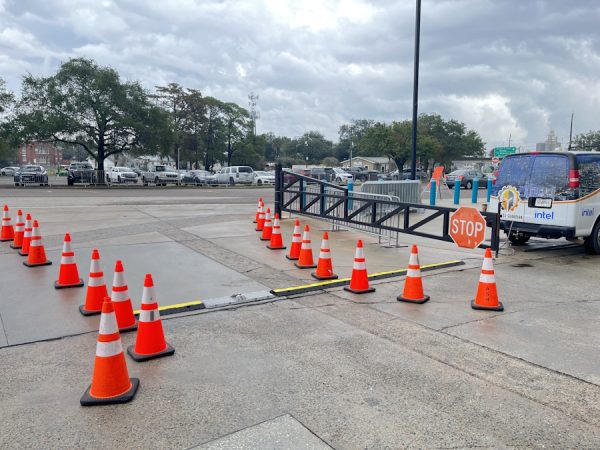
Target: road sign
<point x="467" y="227"/>
<point x="495" y="160"/>
<point x="501" y="152"/>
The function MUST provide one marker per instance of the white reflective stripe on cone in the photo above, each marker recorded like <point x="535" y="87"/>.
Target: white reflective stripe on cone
<point x="414" y="273"/>
<point x="95" y="266"/>
<point x="67" y="260"/>
<point x="67" y="247"/>
<point x="96" y="281"/>
<point x="108" y="323"/>
<point x="148" y="296"/>
<point x="488" y="264"/>
<point x="19" y="227"/>
<point x="325" y="243"/>
<point x="485" y="278"/>
<point x="35" y="242"/>
<point x="360" y="253"/>
<point x="112" y="348"/>
<point x="119" y="296"/>
<point x="297" y="238"/>
<point x="119" y="279"/>
<point x="149" y="315"/>
<point x="324" y="255"/>
<point x="413" y="260"/>
<point x="359" y="266"/>
<point x="27" y="233"/>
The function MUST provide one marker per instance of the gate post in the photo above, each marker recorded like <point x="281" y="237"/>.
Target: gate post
<point x="278" y="188"/>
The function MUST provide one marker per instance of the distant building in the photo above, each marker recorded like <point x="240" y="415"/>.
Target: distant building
<point x="376" y="163"/>
<point x="43" y="153"/>
<point x="550" y="145"/>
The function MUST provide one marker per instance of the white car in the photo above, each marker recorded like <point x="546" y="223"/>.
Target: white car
<point x="121" y="175"/>
<point x="340" y="176"/>
<point x="261" y="177"/>
<point x="235" y="174"/>
<point x="8" y="171"/>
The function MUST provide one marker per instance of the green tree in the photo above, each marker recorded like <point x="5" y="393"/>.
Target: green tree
<point x="89" y="106"/>
<point x="172" y="98"/>
<point x="589" y="141"/>
<point x="238" y="126"/>
<point x="8" y="147"/>
<point x="351" y="135"/>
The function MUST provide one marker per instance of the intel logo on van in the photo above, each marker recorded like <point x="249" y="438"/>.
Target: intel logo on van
<point x="588" y="212"/>
<point x="544" y="215"/>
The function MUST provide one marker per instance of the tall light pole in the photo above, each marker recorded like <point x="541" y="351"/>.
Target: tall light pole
<point x="413" y="164"/>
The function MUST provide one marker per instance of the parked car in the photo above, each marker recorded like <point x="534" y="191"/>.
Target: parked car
<point x="160" y="175"/>
<point x="407" y="175"/>
<point x="466" y="177"/>
<point x="319" y="173"/>
<point x="31" y="174"/>
<point x="80" y="172"/>
<point x="121" y="175"/>
<point x="338" y="175"/>
<point x="261" y="177"/>
<point x="235" y="174"/>
<point x="8" y="171"/>
<point x="196" y="177"/>
<point x="362" y="174"/>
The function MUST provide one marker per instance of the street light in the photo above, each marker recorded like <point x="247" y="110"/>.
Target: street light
<point x="413" y="164"/>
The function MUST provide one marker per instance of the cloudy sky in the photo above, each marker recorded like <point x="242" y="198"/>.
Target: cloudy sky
<point x="504" y="67"/>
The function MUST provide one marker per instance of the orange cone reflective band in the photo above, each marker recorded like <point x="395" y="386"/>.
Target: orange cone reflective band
<point x="68" y="275"/>
<point x="150" y="340"/>
<point x="324" y="267"/>
<point x="26" y="236"/>
<point x="305" y="260"/>
<point x="267" y="227"/>
<point x="413" y="284"/>
<point x="19" y="231"/>
<point x="7" y="233"/>
<point x="296" y="243"/>
<point x="121" y="301"/>
<point x="37" y="253"/>
<point x="110" y="381"/>
<point x="260" y="221"/>
<point x="96" y="289"/>
<point x="257" y="210"/>
<point x="487" y="295"/>
<point x="276" y="239"/>
<point x="359" y="283"/>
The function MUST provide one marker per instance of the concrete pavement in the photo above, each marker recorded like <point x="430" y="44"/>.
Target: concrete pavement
<point x="352" y="371"/>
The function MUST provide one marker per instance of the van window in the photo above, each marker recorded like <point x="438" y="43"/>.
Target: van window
<point x="589" y="173"/>
<point x="515" y="172"/>
<point x="245" y="169"/>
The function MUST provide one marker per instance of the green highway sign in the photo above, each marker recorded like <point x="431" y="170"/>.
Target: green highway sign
<point x="501" y="152"/>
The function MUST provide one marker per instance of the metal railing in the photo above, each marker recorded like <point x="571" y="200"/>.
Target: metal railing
<point x="378" y="214"/>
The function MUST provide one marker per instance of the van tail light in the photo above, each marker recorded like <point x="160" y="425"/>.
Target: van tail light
<point x="574" y="178"/>
<point x="495" y="177"/>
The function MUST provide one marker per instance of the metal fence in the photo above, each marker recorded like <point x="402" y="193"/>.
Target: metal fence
<point x="408" y="191"/>
<point x="382" y="215"/>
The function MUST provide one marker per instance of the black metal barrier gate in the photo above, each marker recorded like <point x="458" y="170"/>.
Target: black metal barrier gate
<point x="296" y="193"/>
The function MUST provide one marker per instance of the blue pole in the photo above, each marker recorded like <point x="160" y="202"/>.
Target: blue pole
<point x="350" y="189"/>
<point x="456" y="192"/>
<point x="475" y="191"/>
<point x="489" y="190"/>
<point x="432" y="192"/>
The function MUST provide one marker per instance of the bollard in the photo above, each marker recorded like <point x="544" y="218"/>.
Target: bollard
<point x="456" y="192"/>
<point x="350" y="189"/>
<point x="302" y="194"/>
<point x="432" y="192"/>
<point x="489" y="189"/>
<point x="475" y="191"/>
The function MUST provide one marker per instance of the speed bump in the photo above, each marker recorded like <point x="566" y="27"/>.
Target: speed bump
<point x="374" y="276"/>
<point x="178" y="308"/>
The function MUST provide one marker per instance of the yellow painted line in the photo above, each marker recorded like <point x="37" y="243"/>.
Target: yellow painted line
<point x="374" y="276"/>
<point x="196" y="304"/>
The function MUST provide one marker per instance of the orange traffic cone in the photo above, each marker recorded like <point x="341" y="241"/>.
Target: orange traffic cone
<point x="26" y="236"/>
<point x="413" y="285"/>
<point x="296" y="243"/>
<point x="257" y="210"/>
<point x="19" y="231"/>
<point x="487" y="295"/>
<point x="110" y="381"/>
<point x="96" y="289"/>
<point x="267" y="227"/>
<point x="324" y="268"/>
<point x="68" y="275"/>
<point x="121" y="301"/>
<point x="150" y="340"/>
<point x="7" y="233"/>
<point x="276" y="240"/>
<point x="37" y="253"/>
<point x="260" y="220"/>
<point x="305" y="259"/>
<point x="359" y="283"/>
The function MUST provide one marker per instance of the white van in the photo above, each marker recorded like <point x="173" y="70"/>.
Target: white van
<point x="550" y="195"/>
<point x="235" y="174"/>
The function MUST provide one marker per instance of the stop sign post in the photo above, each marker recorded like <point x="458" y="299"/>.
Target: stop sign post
<point x="467" y="227"/>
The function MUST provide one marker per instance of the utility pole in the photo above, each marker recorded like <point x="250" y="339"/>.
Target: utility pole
<point x="509" y="138"/>
<point x="254" y="114"/>
<point x="571" y="133"/>
<point x="413" y="164"/>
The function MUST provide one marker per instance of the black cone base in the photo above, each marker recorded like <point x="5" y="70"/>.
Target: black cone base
<point x="16" y="248"/>
<point x="140" y="358"/>
<point x="45" y="263"/>
<point x="500" y="307"/>
<point x="85" y="312"/>
<point x="330" y="277"/>
<point x="359" y="291"/>
<point x="312" y="266"/>
<point x="65" y="286"/>
<point x="292" y="259"/>
<point x="276" y="248"/>
<point x="127" y="329"/>
<point x="88" y="400"/>
<point x="418" y="301"/>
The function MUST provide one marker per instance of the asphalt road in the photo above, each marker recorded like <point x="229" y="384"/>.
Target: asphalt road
<point x="330" y="368"/>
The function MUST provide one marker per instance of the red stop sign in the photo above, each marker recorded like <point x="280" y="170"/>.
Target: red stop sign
<point x="467" y="227"/>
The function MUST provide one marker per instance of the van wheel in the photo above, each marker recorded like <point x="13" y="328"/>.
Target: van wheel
<point x="518" y="238"/>
<point x="592" y="242"/>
